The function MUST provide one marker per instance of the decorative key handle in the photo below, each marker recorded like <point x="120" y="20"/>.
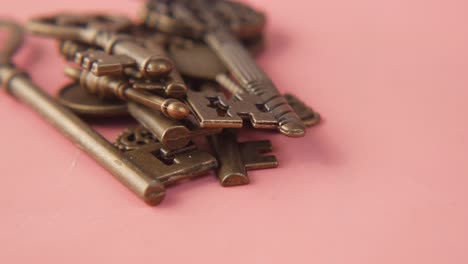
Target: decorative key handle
<point x="167" y="167"/>
<point x="21" y="87"/>
<point x="219" y="32"/>
<point x="183" y="17"/>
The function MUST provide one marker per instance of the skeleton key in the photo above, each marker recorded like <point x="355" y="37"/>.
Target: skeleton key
<point x="308" y="116"/>
<point x="20" y="86"/>
<point x="172" y="134"/>
<point x="176" y="17"/>
<point x="100" y="30"/>
<point x="167" y="167"/>
<point x="108" y="86"/>
<point x="237" y="60"/>
<point x="235" y="158"/>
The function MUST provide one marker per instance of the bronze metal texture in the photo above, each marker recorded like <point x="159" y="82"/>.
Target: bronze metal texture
<point x="218" y="35"/>
<point x="113" y="87"/>
<point x="308" y="116"/>
<point x="171" y="133"/>
<point x="20" y="86"/>
<point x="85" y="104"/>
<point x="177" y="17"/>
<point x="235" y="158"/>
<point x="103" y="31"/>
<point x="213" y="110"/>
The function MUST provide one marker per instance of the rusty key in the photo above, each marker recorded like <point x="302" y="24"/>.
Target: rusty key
<point x="235" y="158"/>
<point x="20" y="86"/>
<point x="171" y="133"/>
<point x="165" y="166"/>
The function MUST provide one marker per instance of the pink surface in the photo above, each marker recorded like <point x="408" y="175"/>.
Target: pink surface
<point x="382" y="180"/>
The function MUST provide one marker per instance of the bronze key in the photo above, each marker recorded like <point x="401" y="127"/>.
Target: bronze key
<point x="20" y="86"/>
<point x="235" y="158"/>
<point x="202" y="14"/>
<point x="167" y="167"/>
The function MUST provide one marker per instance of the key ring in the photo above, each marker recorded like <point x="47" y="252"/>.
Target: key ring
<point x="14" y="40"/>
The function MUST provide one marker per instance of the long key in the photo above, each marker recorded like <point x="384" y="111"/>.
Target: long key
<point x="166" y="166"/>
<point x="235" y="158"/>
<point x="20" y="86"/>
<point x="240" y="64"/>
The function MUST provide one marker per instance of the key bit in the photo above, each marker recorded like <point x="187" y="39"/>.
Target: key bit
<point x="213" y="110"/>
<point x="164" y="166"/>
<point x="235" y="159"/>
<point x="107" y="86"/>
<point x="218" y="34"/>
<point x="171" y="133"/>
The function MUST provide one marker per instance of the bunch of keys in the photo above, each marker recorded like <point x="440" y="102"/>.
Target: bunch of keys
<point x="185" y="73"/>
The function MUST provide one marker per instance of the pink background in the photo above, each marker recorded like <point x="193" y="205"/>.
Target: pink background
<point x="382" y="180"/>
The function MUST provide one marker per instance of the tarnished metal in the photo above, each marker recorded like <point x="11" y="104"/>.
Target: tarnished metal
<point x="112" y="87"/>
<point x="235" y="158"/>
<point x="20" y="86"/>
<point x="308" y="116"/>
<point x="171" y="133"/>
<point x="217" y="33"/>
<point x="167" y="167"/>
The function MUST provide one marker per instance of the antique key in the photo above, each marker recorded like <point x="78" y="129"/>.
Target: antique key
<point x="212" y="29"/>
<point x="108" y="86"/>
<point x="166" y="167"/>
<point x="171" y="133"/>
<point x="102" y="31"/>
<point x="20" y="86"/>
<point x="235" y="158"/>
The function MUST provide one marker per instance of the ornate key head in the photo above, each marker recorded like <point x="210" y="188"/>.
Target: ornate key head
<point x="195" y="17"/>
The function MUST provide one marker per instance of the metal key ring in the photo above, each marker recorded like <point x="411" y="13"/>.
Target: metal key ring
<point x="14" y="40"/>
